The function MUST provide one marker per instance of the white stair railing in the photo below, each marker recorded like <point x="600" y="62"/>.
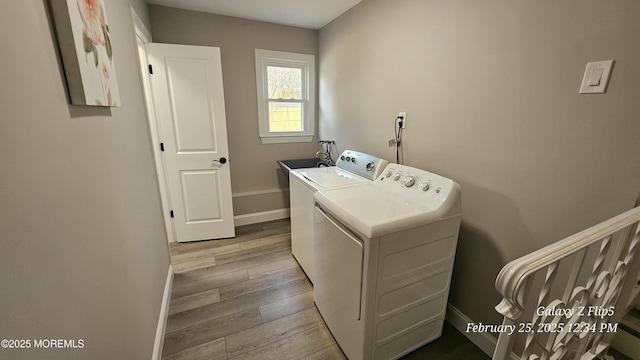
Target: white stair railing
<point x="561" y="302"/>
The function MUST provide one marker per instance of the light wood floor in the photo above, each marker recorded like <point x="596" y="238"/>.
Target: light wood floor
<point x="247" y="298"/>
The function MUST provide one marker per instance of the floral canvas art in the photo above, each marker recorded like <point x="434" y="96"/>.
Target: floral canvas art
<point x="87" y="53"/>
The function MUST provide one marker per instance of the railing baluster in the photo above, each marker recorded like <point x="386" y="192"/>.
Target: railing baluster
<point x="573" y="277"/>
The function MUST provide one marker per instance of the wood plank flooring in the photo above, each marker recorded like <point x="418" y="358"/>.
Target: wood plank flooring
<point x="247" y="298"/>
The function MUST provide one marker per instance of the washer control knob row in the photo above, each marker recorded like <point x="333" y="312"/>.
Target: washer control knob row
<point x="409" y="181"/>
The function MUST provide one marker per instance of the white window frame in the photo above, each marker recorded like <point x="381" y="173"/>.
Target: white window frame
<point x="305" y="62"/>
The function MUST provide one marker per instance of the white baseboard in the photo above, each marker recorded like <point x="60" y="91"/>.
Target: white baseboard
<point x="259" y="217"/>
<point x="164" y="313"/>
<point x="485" y="341"/>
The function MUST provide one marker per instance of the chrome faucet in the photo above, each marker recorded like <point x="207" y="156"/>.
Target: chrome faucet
<point x="325" y="154"/>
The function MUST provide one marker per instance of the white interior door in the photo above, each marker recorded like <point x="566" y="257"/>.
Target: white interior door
<point x="186" y="82"/>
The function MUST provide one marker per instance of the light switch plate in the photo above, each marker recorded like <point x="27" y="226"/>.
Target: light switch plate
<point x="596" y="77"/>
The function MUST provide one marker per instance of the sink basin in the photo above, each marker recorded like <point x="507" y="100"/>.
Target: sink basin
<point x="288" y="165"/>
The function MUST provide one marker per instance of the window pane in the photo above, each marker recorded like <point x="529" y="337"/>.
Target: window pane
<point x="285" y="116"/>
<point x="284" y="82"/>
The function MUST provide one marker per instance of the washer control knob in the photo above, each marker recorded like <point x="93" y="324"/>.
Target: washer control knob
<point x="424" y="186"/>
<point x="388" y="174"/>
<point x="353" y="159"/>
<point x="342" y="157"/>
<point x="396" y="176"/>
<point x="370" y="166"/>
<point x="409" y="181"/>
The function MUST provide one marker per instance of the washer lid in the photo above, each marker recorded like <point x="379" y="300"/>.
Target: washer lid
<point x="328" y="177"/>
<point x="373" y="211"/>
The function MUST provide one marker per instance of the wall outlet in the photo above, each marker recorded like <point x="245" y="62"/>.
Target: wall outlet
<point x="403" y="114"/>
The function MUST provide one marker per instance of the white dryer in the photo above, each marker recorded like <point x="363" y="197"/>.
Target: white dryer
<point x="384" y="255"/>
<point x="352" y="168"/>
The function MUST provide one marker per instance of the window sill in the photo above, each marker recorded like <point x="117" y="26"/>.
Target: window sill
<point x="286" y="139"/>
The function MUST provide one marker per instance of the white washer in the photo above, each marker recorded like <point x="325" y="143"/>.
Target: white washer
<point x="352" y="168"/>
<point x="384" y="255"/>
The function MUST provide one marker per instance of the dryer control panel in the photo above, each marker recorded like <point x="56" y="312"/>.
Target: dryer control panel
<point x="365" y="165"/>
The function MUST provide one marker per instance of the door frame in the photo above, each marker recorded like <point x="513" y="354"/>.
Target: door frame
<point x="142" y="35"/>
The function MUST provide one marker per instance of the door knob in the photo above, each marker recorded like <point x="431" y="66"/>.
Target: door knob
<point x="222" y="160"/>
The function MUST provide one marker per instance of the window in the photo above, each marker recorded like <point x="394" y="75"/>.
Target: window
<point x="286" y="96"/>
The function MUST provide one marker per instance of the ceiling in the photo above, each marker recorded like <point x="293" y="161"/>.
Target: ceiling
<point x="310" y="14"/>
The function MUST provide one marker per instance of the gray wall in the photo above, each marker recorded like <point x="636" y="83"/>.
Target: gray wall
<point x="491" y="91"/>
<point x="257" y="183"/>
<point x="84" y="252"/>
